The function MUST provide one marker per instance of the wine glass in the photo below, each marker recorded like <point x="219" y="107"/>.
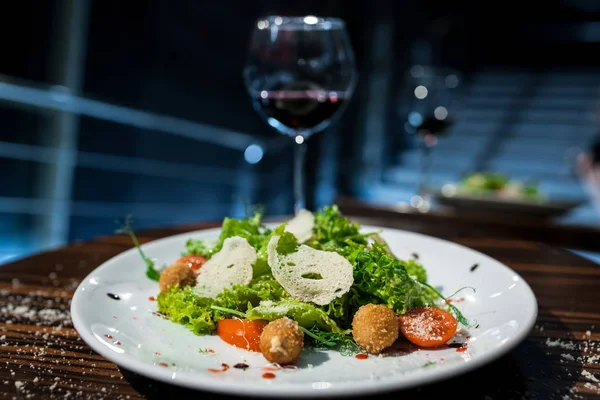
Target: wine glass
<point x="300" y="73"/>
<point x="433" y="106"/>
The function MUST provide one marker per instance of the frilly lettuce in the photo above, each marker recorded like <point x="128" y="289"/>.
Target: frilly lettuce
<point x="378" y="274"/>
<point x="184" y="307"/>
<point x="379" y="277"/>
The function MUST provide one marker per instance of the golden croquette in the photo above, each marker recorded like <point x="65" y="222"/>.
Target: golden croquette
<point x="176" y="274"/>
<point x="375" y="327"/>
<point x="282" y="341"/>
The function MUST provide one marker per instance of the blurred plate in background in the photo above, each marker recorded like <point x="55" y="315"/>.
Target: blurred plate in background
<point x="550" y="208"/>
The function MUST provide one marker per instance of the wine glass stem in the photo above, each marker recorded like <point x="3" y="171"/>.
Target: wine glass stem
<point x="299" y="189"/>
<point x="425" y="164"/>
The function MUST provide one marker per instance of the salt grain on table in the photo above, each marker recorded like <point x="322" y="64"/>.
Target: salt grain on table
<point x="562" y="344"/>
<point x="589" y="376"/>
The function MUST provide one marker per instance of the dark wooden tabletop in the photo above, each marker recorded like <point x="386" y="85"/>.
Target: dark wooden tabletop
<point x="42" y="356"/>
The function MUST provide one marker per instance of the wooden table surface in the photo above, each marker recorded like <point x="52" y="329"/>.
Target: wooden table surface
<point x="42" y="356"/>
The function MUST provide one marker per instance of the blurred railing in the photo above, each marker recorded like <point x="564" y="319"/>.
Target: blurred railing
<point x="57" y="98"/>
<point x="43" y="99"/>
<point x="49" y="204"/>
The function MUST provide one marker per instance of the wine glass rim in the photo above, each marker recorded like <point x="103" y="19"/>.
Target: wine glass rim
<point x="306" y="22"/>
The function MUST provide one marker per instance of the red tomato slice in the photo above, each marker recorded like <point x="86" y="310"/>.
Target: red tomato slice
<point x="241" y="333"/>
<point x="428" y="326"/>
<point x="194" y="262"/>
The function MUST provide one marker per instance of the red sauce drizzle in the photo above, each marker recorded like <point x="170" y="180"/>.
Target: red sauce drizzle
<point x="268" y="375"/>
<point x="108" y="336"/>
<point x="114" y="317"/>
<point x="362" y="356"/>
<point x="211" y="351"/>
<point x="117" y="343"/>
<point x="458" y="300"/>
<point x="271" y="369"/>
<point x="224" y="367"/>
<point x="460" y="350"/>
<point x="157" y="353"/>
<point x="163" y="364"/>
<point x="152" y="298"/>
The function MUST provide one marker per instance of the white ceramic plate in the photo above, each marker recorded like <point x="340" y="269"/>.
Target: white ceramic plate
<point x="127" y="332"/>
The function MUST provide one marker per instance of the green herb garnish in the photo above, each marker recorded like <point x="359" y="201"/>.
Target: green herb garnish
<point x="127" y="228"/>
<point x="344" y="341"/>
<point x="459" y="316"/>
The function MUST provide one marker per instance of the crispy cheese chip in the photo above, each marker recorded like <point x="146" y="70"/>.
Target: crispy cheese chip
<point x="301" y="226"/>
<point x="230" y="266"/>
<point x="310" y="275"/>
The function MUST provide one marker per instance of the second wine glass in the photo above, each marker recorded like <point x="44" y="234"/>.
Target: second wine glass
<point x="433" y="107"/>
<point x="300" y="73"/>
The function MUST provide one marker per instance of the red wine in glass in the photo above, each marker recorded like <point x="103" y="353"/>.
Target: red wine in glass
<point x="299" y="106"/>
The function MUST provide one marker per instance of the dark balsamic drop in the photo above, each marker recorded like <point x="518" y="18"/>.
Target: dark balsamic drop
<point x="113" y="296"/>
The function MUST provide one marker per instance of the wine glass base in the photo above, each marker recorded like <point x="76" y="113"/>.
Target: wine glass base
<point x="421" y="203"/>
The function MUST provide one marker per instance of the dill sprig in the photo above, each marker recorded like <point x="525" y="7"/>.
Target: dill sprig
<point x="127" y="228"/>
<point x="459" y="316"/>
<point x="345" y="343"/>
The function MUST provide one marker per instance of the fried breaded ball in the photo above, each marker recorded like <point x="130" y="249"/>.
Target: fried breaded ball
<point x="282" y="341"/>
<point x="176" y="274"/>
<point x="375" y="327"/>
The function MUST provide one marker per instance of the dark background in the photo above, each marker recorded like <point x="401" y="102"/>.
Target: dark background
<point x="530" y="80"/>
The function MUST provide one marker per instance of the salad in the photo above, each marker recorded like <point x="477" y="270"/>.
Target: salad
<point x="500" y="185"/>
<point x="316" y="280"/>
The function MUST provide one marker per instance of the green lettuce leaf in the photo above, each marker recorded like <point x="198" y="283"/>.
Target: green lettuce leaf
<point x="184" y="307"/>
<point x="305" y="314"/>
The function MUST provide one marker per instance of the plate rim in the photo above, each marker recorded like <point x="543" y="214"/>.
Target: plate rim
<point x="291" y="389"/>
